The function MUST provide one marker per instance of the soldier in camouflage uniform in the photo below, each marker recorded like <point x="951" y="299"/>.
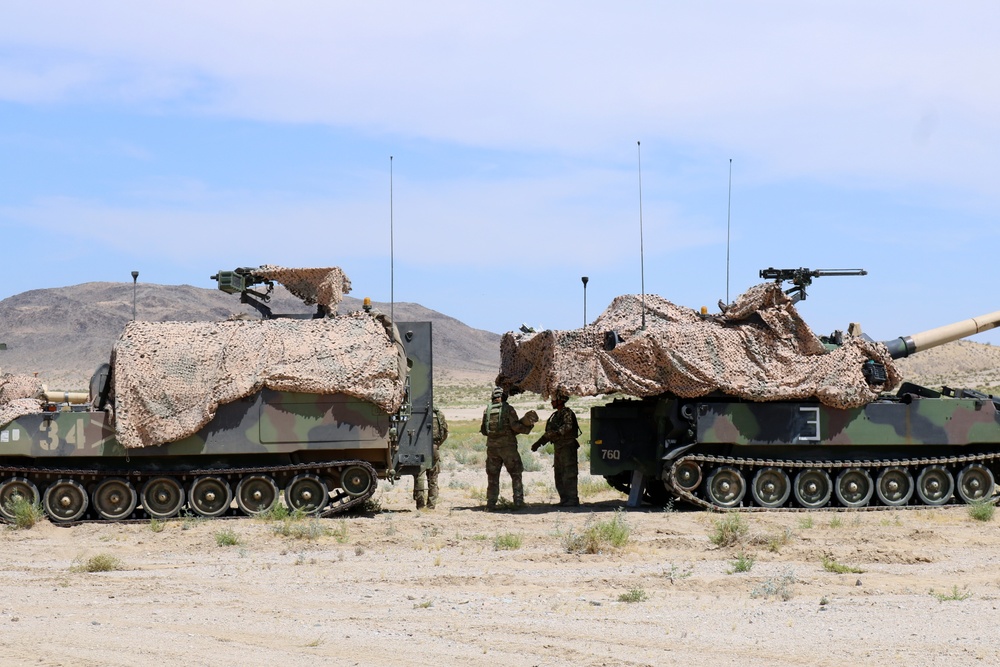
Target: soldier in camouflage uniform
<point x="561" y="430"/>
<point x="425" y="485"/>
<point x="501" y="426"/>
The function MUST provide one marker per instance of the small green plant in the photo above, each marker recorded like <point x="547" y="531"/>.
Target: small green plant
<point x="633" y="595"/>
<point x="26" y="513"/>
<point x="98" y="563"/>
<point x="340" y="534"/>
<point x="593" y="486"/>
<point x="227" y="537"/>
<point x="830" y="565"/>
<point x="776" y="587"/>
<point x="806" y="522"/>
<point x="954" y="595"/>
<point x="981" y="510"/>
<point x="277" y="512"/>
<point x="508" y="542"/>
<point x="157" y="525"/>
<point x="675" y="573"/>
<point x="596" y="537"/>
<point x="301" y="530"/>
<point x="743" y="563"/>
<point x="424" y="605"/>
<point x="823" y="601"/>
<point x="836" y="522"/>
<point x="775" y="541"/>
<point x="729" y="530"/>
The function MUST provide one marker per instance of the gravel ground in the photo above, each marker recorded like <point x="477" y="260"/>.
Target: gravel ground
<point x="401" y="587"/>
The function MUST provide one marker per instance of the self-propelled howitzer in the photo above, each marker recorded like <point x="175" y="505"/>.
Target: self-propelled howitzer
<point x="916" y="446"/>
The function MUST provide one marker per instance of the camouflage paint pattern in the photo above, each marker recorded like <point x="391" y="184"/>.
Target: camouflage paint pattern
<point x="292" y="426"/>
<point x="629" y="435"/>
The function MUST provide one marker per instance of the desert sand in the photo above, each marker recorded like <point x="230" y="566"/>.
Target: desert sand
<point x="458" y="585"/>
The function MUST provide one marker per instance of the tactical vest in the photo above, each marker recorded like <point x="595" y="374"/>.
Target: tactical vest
<point x="495" y="423"/>
<point x="436" y="427"/>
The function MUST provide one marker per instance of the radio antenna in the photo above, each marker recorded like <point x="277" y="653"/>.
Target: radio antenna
<point x="392" y="265"/>
<point x="729" y="217"/>
<point x="642" y="267"/>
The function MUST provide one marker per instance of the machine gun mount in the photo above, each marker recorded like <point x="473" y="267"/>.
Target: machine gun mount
<point x="802" y="278"/>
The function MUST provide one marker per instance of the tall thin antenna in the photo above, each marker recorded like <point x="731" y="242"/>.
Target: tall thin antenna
<point x="729" y="217"/>
<point x="392" y="264"/>
<point x="642" y="266"/>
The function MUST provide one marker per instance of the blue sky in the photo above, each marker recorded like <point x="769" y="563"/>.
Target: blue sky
<point x="182" y="138"/>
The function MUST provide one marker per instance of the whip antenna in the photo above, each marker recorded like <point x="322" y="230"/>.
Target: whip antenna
<point x="392" y="269"/>
<point x="642" y="267"/>
<point x="729" y="216"/>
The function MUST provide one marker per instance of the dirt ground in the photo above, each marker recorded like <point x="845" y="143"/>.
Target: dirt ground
<point x="402" y="587"/>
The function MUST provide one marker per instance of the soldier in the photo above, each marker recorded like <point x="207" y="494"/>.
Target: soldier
<point x="561" y="430"/>
<point x="501" y="426"/>
<point x="425" y="485"/>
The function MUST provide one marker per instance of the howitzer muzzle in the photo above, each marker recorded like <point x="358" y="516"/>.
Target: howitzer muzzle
<point x="904" y="346"/>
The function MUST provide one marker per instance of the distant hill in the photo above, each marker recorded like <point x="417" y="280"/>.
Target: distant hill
<point x="63" y="334"/>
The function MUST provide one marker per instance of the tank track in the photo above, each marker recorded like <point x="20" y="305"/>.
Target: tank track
<point x="874" y="468"/>
<point x="339" y="500"/>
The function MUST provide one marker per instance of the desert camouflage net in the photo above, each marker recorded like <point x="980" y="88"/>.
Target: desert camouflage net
<point x="170" y="377"/>
<point x="758" y="349"/>
<point x="325" y="287"/>
<point x="19" y="396"/>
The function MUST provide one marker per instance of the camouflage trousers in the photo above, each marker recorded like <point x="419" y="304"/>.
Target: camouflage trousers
<point x="496" y="458"/>
<point x="567" y="472"/>
<point x="425" y="485"/>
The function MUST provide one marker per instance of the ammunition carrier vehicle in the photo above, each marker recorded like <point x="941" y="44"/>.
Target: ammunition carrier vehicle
<point x="321" y="452"/>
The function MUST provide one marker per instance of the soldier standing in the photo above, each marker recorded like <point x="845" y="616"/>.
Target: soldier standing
<point x="501" y="426"/>
<point x="561" y="430"/>
<point x="425" y="485"/>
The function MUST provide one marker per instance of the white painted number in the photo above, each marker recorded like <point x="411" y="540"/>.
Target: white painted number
<point x="611" y="454"/>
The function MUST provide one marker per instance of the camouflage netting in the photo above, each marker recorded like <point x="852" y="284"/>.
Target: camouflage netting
<point x="758" y="349"/>
<point x="18" y="396"/>
<point x="170" y="377"/>
<point x="325" y="287"/>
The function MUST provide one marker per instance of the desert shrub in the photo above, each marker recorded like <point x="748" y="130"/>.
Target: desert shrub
<point x="226" y="537"/>
<point x="675" y="573"/>
<point x="981" y="510"/>
<point x="633" y="595"/>
<point x="599" y="536"/>
<point x="157" y="525"/>
<point x="26" y="513"/>
<point x="98" y="563"/>
<point x="729" y="530"/>
<point x="592" y="486"/>
<point x="781" y="587"/>
<point x="743" y="563"/>
<point x="830" y="565"/>
<point x="299" y="529"/>
<point x="508" y="542"/>
<point x="953" y="596"/>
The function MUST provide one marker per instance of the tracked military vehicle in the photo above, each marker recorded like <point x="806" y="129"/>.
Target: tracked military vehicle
<point x="230" y="417"/>
<point x="742" y="423"/>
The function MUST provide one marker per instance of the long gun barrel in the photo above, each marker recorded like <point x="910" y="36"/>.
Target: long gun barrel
<point x="904" y="346"/>
<point x="802" y="278"/>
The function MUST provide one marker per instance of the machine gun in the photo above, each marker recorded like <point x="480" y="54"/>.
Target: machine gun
<point x="802" y="278"/>
<point x="239" y="281"/>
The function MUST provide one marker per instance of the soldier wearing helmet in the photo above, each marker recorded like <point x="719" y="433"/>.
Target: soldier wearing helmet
<point x="561" y="430"/>
<point x="501" y="426"/>
<point x="425" y="485"/>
